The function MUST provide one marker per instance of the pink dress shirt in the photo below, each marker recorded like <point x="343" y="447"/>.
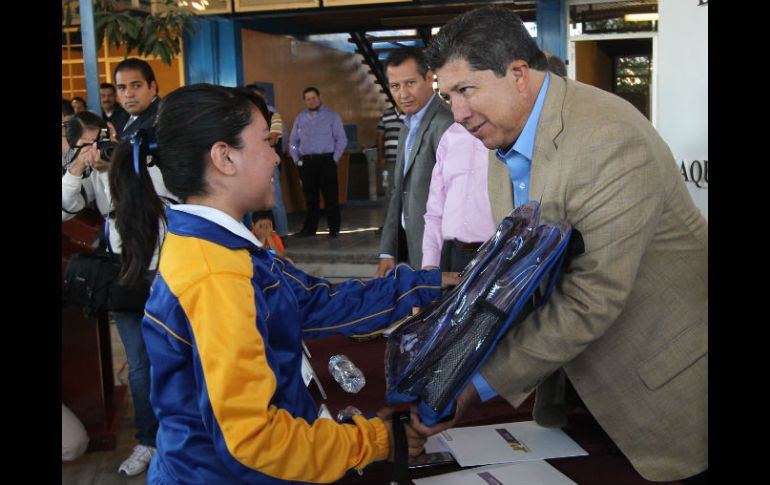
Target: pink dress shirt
<point x="458" y="202"/>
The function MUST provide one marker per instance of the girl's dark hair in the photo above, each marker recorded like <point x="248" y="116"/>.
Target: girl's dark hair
<point x="137" y="211"/>
<point x="80" y="122"/>
<point x="190" y="120"/>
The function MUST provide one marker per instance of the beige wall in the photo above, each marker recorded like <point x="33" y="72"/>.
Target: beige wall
<point x="592" y="65"/>
<point x="344" y="82"/>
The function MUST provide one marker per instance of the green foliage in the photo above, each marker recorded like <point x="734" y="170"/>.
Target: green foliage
<point x="632" y="74"/>
<point x="151" y="35"/>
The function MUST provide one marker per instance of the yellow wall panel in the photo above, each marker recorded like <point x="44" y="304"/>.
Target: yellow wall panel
<point x="258" y="5"/>
<point x="169" y="77"/>
<point x="592" y="65"/>
<point x="339" y="3"/>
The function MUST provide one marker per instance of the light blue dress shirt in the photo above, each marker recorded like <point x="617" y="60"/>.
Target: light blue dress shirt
<point x="412" y="123"/>
<point x="518" y="158"/>
<point x="519" y="161"/>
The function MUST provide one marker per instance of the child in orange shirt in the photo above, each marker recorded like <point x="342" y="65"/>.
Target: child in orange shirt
<point x="263" y="230"/>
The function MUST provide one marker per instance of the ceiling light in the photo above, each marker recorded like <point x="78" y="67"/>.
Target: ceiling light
<point x="640" y="17"/>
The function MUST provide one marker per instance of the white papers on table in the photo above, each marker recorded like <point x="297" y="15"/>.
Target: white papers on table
<point x="307" y="371"/>
<point x="508" y="443"/>
<point x="308" y="374"/>
<point x="524" y="473"/>
<point x="434" y="444"/>
<point x="323" y="412"/>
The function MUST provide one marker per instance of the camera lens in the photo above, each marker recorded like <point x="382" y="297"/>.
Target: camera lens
<point x="106" y="150"/>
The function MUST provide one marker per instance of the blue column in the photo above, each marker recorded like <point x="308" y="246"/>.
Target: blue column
<point x="213" y="54"/>
<point x="551" y="17"/>
<point x="88" y="36"/>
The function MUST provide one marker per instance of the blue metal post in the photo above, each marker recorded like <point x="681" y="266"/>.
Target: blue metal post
<point x="213" y="54"/>
<point x="551" y="17"/>
<point x="88" y="34"/>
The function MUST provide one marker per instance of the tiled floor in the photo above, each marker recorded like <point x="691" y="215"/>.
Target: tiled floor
<point x="352" y="254"/>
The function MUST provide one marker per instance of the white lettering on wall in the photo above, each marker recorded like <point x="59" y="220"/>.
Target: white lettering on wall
<point x="682" y="102"/>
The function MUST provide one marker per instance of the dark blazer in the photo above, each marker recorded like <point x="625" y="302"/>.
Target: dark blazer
<point x="119" y="118"/>
<point x="410" y="190"/>
<point x="145" y="120"/>
<point x="628" y="319"/>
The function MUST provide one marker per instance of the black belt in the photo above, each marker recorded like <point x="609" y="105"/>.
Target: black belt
<point x="318" y="156"/>
<point x="464" y="246"/>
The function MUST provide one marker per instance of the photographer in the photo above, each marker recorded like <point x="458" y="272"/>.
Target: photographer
<point x="79" y="186"/>
<point x="87" y="178"/>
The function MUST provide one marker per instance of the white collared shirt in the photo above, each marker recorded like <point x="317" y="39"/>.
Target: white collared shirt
<point x="220" y="218"/>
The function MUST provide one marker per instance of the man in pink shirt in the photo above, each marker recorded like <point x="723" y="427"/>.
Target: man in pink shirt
<point x="458" y="217"/>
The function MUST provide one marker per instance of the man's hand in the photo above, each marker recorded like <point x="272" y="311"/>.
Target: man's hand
<point x="415" y="441"/>
<point x="78" y="165"/>
<point x="113" y="132"/>
<point x="468" y="397"/>
<point x="450" y="279"/>
<point x="87" y="157"/>
<point x="98" y="163"/>
<point x="386" y="264"/>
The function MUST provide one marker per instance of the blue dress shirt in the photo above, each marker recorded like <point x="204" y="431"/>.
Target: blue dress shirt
<point x="412" y="123"/>
<point x="519" y="161"/>
<point x="518" y="158"/>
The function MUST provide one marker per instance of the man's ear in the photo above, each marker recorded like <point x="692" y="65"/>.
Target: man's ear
<point x="519" y="72"/>
<point x="154" y="86"/>
<point x="220" y="158"/>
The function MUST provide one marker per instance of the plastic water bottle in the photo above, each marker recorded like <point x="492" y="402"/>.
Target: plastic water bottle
<point x="346" y="373"/>
<point x="348" y="413"/>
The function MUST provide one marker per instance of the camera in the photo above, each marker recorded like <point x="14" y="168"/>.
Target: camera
<point x="105" y="145"/>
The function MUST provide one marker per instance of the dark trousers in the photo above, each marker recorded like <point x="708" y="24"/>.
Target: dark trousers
<point x="319" y="174"/>
<point x="403" y="247"/>
<point x="456" y="255"/>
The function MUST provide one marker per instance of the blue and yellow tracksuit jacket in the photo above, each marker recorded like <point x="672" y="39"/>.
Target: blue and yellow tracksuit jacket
<point x="223" y="329"/>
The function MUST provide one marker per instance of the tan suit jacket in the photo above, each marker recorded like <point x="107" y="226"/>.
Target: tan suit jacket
<point x="628" y="319"/>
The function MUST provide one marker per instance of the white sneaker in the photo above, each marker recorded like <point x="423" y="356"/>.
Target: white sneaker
<point x="137" y="462"/>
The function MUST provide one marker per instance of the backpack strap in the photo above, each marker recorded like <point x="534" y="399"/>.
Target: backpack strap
<point x="401" y="449"/>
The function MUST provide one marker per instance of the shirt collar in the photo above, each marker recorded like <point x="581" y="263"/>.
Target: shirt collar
<point x="320" y="110"/>
<point x="414" y="120"/>
<point x="525" y="144"/>
<point x="219" y="218"/>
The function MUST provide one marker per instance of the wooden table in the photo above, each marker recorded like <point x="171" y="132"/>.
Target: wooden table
<point x="604" y="465"/>
<point x="87" y="376"/>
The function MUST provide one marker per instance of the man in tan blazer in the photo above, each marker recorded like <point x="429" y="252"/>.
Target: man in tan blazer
<point x="628" y="319"/>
